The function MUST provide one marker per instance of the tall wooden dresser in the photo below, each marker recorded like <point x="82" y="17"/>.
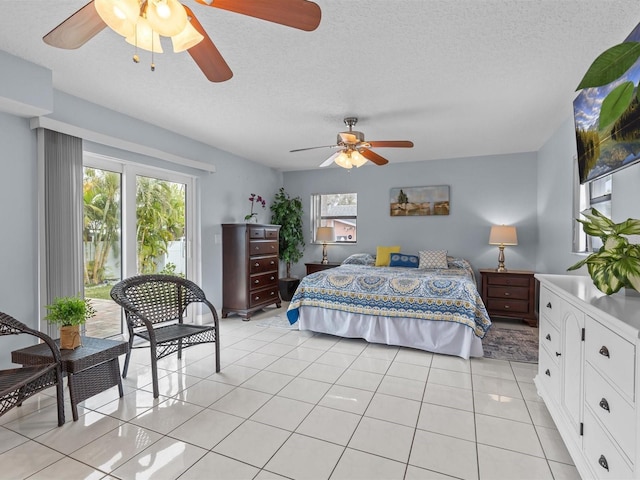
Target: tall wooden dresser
<point x="249" y="268"/>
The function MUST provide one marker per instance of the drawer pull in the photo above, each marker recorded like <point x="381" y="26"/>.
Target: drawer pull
<point x="256" y="282"/>
<point x="273" y="293"/>
<point x="558" y="354"/>
<point x="603" y="462"/>
<point x="272" y="278"/>
<point x="256" y="298"/>
<point x="506" y="294"/>
<point x="256" y="264"/>
<point x="547" y="372"/>
<point x="549" y="305"/>
<point x="548" y="337"/>
<point x="506" y="307"/>
<point x="604" y="405"/>
<point x="272" y="262"/>
<point x="604" y="351"/>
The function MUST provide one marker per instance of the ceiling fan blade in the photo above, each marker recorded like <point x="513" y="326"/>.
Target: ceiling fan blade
<point x="392" y="143"/>
<point x="76" y="30"/>
<point x="300" y="14"/>
<point x="374" y="157"/>
<point x="206" y="55"/>
<point x="313" y="148"/>
<point x="329" y="160"/>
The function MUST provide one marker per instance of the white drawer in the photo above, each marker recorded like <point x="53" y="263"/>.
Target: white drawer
<point x="550" y="339"/>
<point x="601" y="454"/>
<point x="611" y="409"/>
<point x="549" y="374"/>
<point x="550" y="306"/>
<point x="612" y="356"/>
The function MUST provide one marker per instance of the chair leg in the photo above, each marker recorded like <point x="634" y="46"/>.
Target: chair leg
<point x="154" y="371"/>
<point x="125" y="368"/>
<point x="60" y="398"/>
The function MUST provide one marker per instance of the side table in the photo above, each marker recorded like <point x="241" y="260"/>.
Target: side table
<point x="510" y="294"/>
<point x="91" y="368"/>
<point x="313" y="267"/>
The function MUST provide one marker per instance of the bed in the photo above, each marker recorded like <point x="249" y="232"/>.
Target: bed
<point x="438" y="310"/>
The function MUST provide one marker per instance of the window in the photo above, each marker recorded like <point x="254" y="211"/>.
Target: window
<point x="337" y="210"/>
<point x="595" y="194"/>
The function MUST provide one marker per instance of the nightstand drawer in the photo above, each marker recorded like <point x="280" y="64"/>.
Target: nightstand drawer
<point x="499" y="305"/>
<point x="508" y="279"/>
<point x="504" y="291"/>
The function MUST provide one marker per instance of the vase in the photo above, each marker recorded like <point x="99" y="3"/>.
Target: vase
<point x="69" y="337"/>
<point x="252" y="219"/>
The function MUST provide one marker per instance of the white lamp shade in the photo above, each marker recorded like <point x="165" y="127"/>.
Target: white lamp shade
<point x="325" y="234"/>
<point x="167" y="17"/>
<point x="119" y="15"/>
<point x="187" y="38"/>
<point x="343" y="160"/>
<point x="144" y="37"/>
<point x="357" y="159"/>
<point x="503" y="235"/>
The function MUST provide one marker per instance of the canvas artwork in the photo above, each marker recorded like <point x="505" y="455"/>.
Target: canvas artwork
<point x="416" y="201"/>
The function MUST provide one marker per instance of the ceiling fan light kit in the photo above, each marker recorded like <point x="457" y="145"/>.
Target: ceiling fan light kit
<point x="354" y="150"/>
<point x="142" y="22"/>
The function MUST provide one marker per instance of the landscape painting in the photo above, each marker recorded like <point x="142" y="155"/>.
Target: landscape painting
<point x="417" y="201"/>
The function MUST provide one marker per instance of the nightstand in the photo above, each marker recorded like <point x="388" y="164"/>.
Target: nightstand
<point x="510" y="294"/>
<point x="313" y="267"/>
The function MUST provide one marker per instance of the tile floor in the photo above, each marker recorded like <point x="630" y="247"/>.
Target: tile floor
<point x="290" y="404"/>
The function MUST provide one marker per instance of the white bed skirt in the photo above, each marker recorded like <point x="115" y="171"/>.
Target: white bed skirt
<point x="449" y="338"/>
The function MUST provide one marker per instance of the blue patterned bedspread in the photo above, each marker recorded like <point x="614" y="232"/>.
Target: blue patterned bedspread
<point x="448" y="295"/>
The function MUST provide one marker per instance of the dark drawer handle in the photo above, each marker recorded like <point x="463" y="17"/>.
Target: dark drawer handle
<point x="256" y="264"/>
<point x="604" y="351"/>
<point x="558" y="354"/>
<point x="604" y="405"/>
<point x="548" y="337"/>
<point x="547" y="372"/>
<point x="256" y="281"/>
<point x="506" y="307"/>
<point x="603" y="462"/>
<point x="273" y="293"/>
<point x="256" y="298"/>
<point x="549" y="305"/>
<point x="506" y="294"/>
<point x="272" y="278"/>
<point x="272" y="262"/>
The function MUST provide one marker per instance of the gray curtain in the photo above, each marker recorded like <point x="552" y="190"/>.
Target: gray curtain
<point x="63" y="214"/>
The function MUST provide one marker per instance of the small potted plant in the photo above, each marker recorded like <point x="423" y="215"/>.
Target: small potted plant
<point x="69" y="313"/>
<point x="253" y="216"/>
<point x="617" y="263"/>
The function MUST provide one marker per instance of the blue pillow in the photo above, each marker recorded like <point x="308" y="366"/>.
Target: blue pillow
<point x="404" y="260"/>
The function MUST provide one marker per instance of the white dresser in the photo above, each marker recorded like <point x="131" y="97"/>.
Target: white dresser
<point x="588" y="373"/>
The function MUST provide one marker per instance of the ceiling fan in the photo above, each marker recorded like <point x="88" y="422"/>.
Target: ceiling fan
<point x="355" y="150"/>
<point x="134" y="19"/>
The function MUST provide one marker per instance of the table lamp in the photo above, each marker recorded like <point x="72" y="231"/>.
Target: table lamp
<point x="502" y="235"/>
<point x="324" y="235"/>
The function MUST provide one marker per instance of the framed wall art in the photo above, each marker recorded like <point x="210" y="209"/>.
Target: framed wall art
<point x="417" y="201"/>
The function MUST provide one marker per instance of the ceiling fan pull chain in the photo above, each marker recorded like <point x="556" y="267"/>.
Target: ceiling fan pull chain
<point x="153" y="65"/>
<point x="136" y="58"/>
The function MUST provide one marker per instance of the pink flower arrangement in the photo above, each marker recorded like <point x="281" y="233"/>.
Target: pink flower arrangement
<point x="255" y="199"/>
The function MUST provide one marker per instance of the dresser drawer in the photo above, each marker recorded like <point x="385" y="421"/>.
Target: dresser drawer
<point x="504" y="291"/>
<point x="263" y="233"/>
<point x="263" y="248"/>
<point x="550" y="339"/>
<point x="498" y="305"/>
<point x="601" y="455"/>
<point x="257" y="282"/>
<point x="263" y="264"/>
<point x="510" y="280"/>
<point x="266" y="295"/>
<point x="550" y="306"/>
<point x="549" y="374"/>
<point x="612" y="356"/>
<point x="610" y="408"/>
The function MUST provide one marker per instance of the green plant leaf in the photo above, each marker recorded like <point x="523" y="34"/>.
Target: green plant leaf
<point x="610" y="65"/>
<point x="604" y="277"/>
<point x="630" y="226"/>
<point x="615" y="104"/>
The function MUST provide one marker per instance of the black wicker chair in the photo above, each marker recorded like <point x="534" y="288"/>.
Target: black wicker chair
<point x="154" y="306"/>
<point x="18" y="384"/>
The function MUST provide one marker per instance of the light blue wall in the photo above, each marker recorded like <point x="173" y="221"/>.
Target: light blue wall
<point x="487" y="190"/>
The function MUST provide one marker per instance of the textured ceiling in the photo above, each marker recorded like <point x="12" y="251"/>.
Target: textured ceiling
<point x="458" y="78"/>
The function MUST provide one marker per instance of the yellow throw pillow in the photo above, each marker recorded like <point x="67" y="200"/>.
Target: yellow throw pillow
<point x="383" y="255"/>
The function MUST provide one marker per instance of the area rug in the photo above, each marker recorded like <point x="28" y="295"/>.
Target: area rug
<point x="516" y="345"/>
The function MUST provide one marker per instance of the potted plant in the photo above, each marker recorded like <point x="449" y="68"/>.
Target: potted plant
<point x="287" y="212"/>
<point x="617" y="263"/>
<point x="69" y="313"/>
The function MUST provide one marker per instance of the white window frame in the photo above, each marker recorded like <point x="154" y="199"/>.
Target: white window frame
<point x="586" y="196"/>
<point x="317" y="220"/>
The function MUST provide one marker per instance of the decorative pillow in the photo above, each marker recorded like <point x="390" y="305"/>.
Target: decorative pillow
<point x="404" y="260"/>
<point x="383" y="255"/>
<point x="359" y="259"/>
<point x="433" y="259"/>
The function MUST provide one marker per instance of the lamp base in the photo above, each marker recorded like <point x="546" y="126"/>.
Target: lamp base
<point x="325" y="259"/>
<point x="501" y="267"/>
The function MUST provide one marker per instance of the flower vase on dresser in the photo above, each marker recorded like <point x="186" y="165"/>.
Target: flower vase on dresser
<point x="253" y="217"/>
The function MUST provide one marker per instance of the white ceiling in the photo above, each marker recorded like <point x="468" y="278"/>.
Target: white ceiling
<point x="459" y="78"/>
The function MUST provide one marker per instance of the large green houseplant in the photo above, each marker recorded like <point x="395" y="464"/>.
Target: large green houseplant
<point x="617" y="263"/>
<point x="287" y="212"/>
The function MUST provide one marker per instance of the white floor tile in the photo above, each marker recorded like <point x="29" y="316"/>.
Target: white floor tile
<point x="336" y="359"/>
<point x="27" y="459"/>
<point x="241" y="402"/>
<point x="359" y="379"/>
<point x="433" y="451"/>
<point x="204" y="393"/>
<point x="508" y="434"/>
<point x="356" y="465"/>
<point x="288" y="366"/>
<point x="415" y="357"/>
<point x="562" y="471"/>
<point x="67" y="467"/>
<point x="374" y="436"/>
<point x="394" y="409"/>
<point x="328" y="424"/>
<point x="283" y="413"/>
<point x="370" y="364"/>
<point x="234" y="374"/>
<point x="305" y="390"/>
<point x="268" y="382"/>
<point x="417" y="473"/>
<point x="553" y="445"/>
<point x="305" y="458"/>
<point x="492" y="368"/>
<point x="207" y="428"/>
<point x="167" y="415"/>
<point x="323" y="373"/>
<point x="402" y="387"/>
<point x="9" y="439"/>
<point x="213" y="465"/>
<point x="453" y="397"/>
<point x="447" y="421"/>
<point x="501" y="406"/>
<point x="257" y="360"/>
<point x="449" y="378"/>
<point x="347" y="399"/>
<point x="499" y="464"/>
<point x="448" y="362"/>
<point x="253" y="443"/>
<point x="495" y="385"/>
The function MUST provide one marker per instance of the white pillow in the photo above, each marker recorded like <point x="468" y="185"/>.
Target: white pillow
<point x="433" y="259"/>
